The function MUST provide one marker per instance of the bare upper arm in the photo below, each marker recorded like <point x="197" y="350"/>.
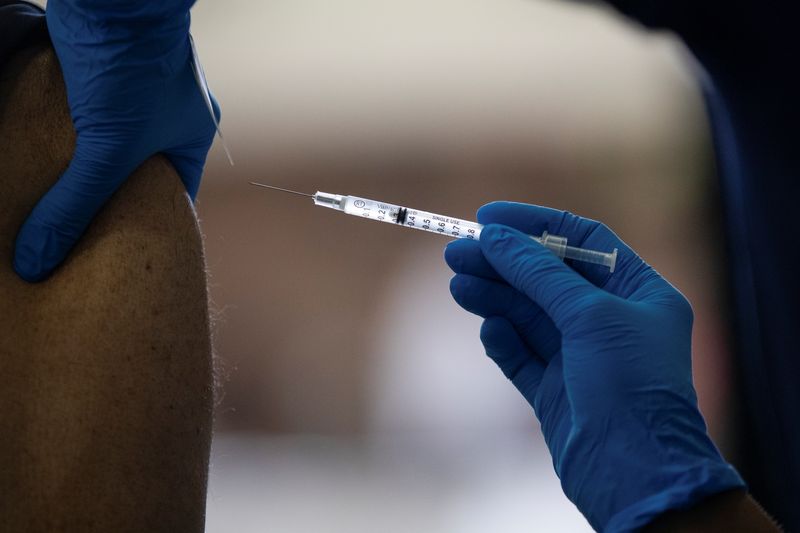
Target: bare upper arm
<point x="105" y="407"/>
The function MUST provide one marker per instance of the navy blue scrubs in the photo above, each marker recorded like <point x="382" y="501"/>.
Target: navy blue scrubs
<point x="749" y="52"/>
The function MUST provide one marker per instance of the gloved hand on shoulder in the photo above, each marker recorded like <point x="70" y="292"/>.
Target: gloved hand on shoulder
<point x="603" y="358"/>
<point x="132" y="93"/>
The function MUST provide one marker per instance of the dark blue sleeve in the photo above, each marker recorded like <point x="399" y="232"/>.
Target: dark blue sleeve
<point x="130" y="10"/>
<point x="748" y="54"/>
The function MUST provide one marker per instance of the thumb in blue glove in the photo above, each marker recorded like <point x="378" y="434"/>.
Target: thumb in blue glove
<point x="604" y="359"/>
<point x="132" y="93"/>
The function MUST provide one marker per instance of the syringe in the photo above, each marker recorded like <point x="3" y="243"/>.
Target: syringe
<point x="443" y="225"/>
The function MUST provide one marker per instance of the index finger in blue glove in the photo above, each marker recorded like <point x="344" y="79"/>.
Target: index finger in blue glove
<point x="632" y="277"/>
<point x="61" y="216"/>
<point x="536" y="272"/>
<point x="579" y="231"/>
<point x="464" y="256"/>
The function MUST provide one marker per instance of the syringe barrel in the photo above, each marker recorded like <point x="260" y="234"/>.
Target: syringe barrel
<point x="403" y="216"/>
<point x="454" y="228"/>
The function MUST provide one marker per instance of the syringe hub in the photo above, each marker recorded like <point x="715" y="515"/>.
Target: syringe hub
<point x="332" y="201"/>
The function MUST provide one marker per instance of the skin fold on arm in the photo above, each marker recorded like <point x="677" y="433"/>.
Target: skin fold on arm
<point x="106" y="397"/>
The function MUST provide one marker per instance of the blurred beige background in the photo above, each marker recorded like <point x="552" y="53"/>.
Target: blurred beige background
<point x="356" y="394"/>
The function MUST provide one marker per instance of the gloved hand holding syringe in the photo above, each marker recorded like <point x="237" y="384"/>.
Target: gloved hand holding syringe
<point x="443" y="225"/>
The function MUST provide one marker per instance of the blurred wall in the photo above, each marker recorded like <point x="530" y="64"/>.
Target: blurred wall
<point x="327" y="324"/>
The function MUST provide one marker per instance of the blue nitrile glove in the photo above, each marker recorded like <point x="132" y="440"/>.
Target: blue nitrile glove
<point x="132" y="93"/>
<point x="604" y="359"/>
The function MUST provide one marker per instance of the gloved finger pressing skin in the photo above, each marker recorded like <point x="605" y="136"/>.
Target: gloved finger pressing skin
<point x="504" y="346"/>
<point x="190" y="168"/>
<point x="464" y="256"/>
<point x="61" y="216"/>
<point x="487" y="298"/>
<point x="136" y="95"/>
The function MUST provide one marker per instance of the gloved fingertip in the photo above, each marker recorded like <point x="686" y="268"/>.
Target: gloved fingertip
<point x="458" y="284"/>
<point x="493" y="329"/>
<point x="37" y="252"/>
<point x="487" y="211"/>
<point x="498" y="238"/>
<point x="27" y="266"/>
<point x="494" y="236"/>
<point x="454" y="253"/>
<point x="450" y="253"/>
